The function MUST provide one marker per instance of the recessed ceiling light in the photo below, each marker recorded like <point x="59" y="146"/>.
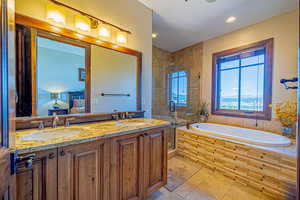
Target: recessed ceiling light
<point x="154" y="35"/>
<point x="231" y="19"/>
<point x="208" y="1"/>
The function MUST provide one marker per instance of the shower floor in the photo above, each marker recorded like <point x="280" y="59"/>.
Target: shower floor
<point x="205" y="185"/>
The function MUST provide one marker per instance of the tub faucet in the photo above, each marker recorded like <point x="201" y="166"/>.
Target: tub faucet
<point x="55" y="120"/>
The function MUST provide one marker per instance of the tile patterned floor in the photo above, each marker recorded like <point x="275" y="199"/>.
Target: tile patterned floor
<point x="207" y="185"/>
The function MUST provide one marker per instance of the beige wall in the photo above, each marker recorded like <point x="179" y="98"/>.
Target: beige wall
<point x="284" y="30"/>
<point x="129" y="14"/>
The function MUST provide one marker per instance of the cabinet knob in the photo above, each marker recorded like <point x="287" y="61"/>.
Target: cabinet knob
<point x="28" y="163"/>
<point x="28" y="160"/>
<point x="146" y="134"/>
<point x="62" y="153"/>
<point x="51" y="156"/>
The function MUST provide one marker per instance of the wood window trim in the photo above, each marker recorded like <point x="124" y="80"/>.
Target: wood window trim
<point x="267" y="113"/>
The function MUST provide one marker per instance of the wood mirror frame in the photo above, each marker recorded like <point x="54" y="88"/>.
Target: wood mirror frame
<point x="43" y="34"/>
<point x="47" y="30"/>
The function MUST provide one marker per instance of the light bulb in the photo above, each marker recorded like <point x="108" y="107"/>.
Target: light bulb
<point x="55" y="13"/>
<point x="104" y="31"/>
<point x="122" y="37"/>
<point x="83" y="23"/>
<point x="154" y="35"/>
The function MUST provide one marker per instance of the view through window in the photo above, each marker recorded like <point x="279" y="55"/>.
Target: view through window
<point x="242" y="81"/>
<point x="178" y="87"/>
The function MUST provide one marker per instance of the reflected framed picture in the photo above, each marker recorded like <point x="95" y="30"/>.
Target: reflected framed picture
<point x="81" y="74"/>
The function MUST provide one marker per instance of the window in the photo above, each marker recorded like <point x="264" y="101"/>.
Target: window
<point x="242" y="81"/>
<point x="178" y="88"/>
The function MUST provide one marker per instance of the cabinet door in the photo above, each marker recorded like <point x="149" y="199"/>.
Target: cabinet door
<point x="39" y="180"/>
<point x="83" y="171"/>
<point x="4" y="172"/>
<point x="127" y="167"/>
<point x="155" y="160"/>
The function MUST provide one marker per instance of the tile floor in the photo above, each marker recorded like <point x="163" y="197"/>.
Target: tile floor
<point x="206" y="185"/>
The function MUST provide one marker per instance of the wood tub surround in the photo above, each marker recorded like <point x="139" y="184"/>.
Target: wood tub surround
<point x="267" y="171"/>
<point x="128" y="165"/>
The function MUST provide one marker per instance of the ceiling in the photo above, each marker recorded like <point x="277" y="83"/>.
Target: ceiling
<point x="180" y="24"/>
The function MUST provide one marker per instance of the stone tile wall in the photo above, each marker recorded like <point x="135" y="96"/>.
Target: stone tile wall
<point x="164" y="62"/>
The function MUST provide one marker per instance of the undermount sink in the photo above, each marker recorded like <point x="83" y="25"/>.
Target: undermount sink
<point x="130" y="124"/>
<point x="51" y="134"/>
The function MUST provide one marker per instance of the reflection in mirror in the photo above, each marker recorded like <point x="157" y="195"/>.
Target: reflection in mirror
<point x="60" y="78"/>
<point x="64" y="76"/>
<point x="114" y="81"/>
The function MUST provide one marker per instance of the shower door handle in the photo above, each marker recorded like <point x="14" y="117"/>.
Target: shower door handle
<point x="172" y="106"/>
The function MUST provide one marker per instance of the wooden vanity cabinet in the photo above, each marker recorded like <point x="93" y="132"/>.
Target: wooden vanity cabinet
<point x="83" y="171"/>
<point x="37" y="181"/>
<point x="138" y="165"/>
<point x="127" y="167"/>
<point x="155" y="160"/>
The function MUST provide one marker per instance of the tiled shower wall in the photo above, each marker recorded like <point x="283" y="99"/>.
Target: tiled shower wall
<point x="164" y="62"/>
<point x="161" y="60"/>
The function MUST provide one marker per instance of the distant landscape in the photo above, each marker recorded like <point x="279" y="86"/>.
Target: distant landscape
<point x="247" y="103"/>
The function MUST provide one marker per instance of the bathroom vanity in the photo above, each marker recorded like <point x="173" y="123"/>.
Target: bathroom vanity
<point x="112" y="160"/>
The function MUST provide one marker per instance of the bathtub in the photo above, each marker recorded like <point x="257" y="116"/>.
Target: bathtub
<point x="245" y="135"/>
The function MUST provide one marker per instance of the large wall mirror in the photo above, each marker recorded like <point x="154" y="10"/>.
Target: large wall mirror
<point x="57" y="74"/>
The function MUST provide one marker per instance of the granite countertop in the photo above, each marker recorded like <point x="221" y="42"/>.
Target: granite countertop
<point x="32" y="140"/>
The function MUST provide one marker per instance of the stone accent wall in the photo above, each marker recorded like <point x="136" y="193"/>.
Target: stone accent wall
<point x="164" y="62"/>
<point x="269" y="172"/>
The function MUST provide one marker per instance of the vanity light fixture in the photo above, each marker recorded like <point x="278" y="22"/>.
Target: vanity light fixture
<point x="230" y="19"/>
<point x="86" y="22"/>
<point x="104" y="31"/>
<point x="55" y="13"/>
<point x="122" y="37"/>
<point x="83" y="23"/>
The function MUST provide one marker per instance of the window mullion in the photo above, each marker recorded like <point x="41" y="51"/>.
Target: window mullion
<point x="218" y="85"/>
<point x="178" y="90"/>
<point x="240" y="83"/>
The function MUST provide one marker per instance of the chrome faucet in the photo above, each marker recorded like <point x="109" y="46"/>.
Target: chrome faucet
<point x="67" y="121"/>
<point x="40" y="122"/>
<point x="55" y="120"/>
<point x="115" y="115"/>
